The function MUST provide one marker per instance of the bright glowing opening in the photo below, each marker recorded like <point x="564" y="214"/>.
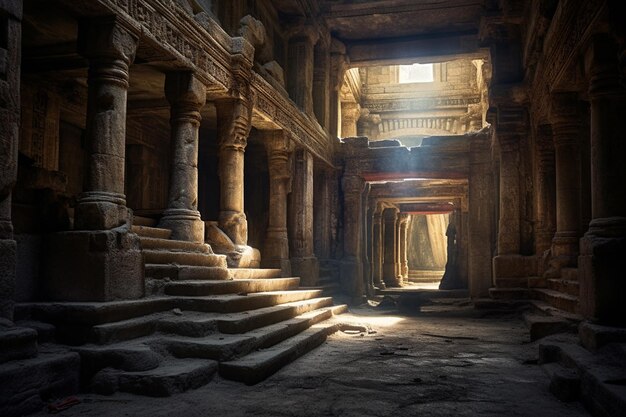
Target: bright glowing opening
<point x="416" y="73"/>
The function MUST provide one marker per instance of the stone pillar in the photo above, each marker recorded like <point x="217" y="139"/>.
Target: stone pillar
<point x="403" y="221"/>
<point x="566" y="123"/>
<point x="390" y="254"/>
<point x="350" y="113"/>
<point x="186" y="95"/>
<point x="110" y="49"/>
<point x="9" y="138"/>
<point x="303" y="261"/>
<point x="337" y="72"/>
<point x="322" y="201"/>
<point x="352" y="263"/>
<point x="301" y="65"/>
<point x="509" y="222"/>
<point x="377" y="242"/>
<point x="545" y="190"/>
<point x="602" y="260"/>
<point x="101" y="260"/>
<point x="233" y="128"/>
<point x="276" y="247"/>
<point x="321" y="82"/>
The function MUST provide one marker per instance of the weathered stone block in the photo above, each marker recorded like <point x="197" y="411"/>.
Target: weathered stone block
<point x="511" y="266"/>
<point x="307" y="269"/>
<point x="93" y="266"/>
<point x="8" y="256"/>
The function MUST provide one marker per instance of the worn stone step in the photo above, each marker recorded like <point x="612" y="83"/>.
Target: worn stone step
<point x="171" y="377"/>
<point x="28" y="384"/>
<point x="564" y="382"/>
<point x="517" y="282"/>
<point x="123" y="330"/>
<point x="152" y="256"/>
<point x="557" y="299"/>
<point x="144" y="221"/>
<point x="543" y="308"/>
<point x="540" y="326"/>
<point x="195" y="288"/>
<point x="186" y="272"/>
<point x="173" y="245"/>
<point x="17" y="343"/>
<point x="258" y="365"/>
<point x="255" y="273"/>
<point x="130" y="357"/>
<point x="537" y="282"/>
<point x="509" y="293"/>
<point x="153" y="232"/>
<point x="237" y="303"/>
<point x="565" y="286"/>
<point x="45" y="331"/>
<point x="569" y="274"/>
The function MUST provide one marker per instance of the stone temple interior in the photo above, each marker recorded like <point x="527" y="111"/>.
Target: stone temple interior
<point x="199" y="189"/>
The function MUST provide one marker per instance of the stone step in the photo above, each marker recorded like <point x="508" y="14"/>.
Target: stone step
<point x="564" y="382"/>
<point x="151" y="256"/>
<point x="258" y="365"/>
<point x="173" y="245"/>
<point x="28" y="384"/>
<point x="195" y="324"/>
<point x="565" y="286"/>
<point x="237" y="303"/>
<point x="144" y="221"/>
<point x="328" y="290"/>
<point x="537" y="282"/>
<point x="518" y="282"/>
<point x="254" y="273"/>
<point x="123" y="330"/>
<point x="45" y="331"/>
<point x="541" y="326"/>
<point x="153" y="232"/>
<point x="224" y="347"/>
<point x="186" y="272"/>
<point x="509" y="293"/>
<point x="570" y="274"/>
<point x="132" y="357"/>
<point x="171" y="377"/>
<point x="557" y="299"/>
<point x="17" y="343"/>
<point x="544" y="308"/>
<point x="195" y="288"/>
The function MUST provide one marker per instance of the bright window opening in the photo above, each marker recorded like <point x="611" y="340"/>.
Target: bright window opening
<point x="416" y="73"/>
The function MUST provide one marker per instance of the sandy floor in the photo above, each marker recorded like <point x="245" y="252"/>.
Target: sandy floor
<point x="446" y="361"/>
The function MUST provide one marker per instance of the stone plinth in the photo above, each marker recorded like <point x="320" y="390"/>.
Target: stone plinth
<point x="186" y="95"/>
<point x="93" y="266"/>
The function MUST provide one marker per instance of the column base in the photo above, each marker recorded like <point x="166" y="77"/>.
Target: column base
<point x="235" y="225"/>
<point x="8" y="265"/>
<point x="390" y="278"/>
<point x="601" y="266"/>
<point x="93" y="266"/>
<point x="307" y="269"/>
<point x="98" y="210"/>
<point x="351" y="279"/>
<point x="276" y="254"/>
<point x="563" y="254"/>
<point x="185" y="224"/>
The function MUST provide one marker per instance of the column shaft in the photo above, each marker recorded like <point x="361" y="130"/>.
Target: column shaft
<point x="301" y="67"/>
<point x="110" y="50"/>
<point x="377" y="264"/>
<point x="234" y="118"/>
<point x="404" y="260"/>
<point x="276" y="247"/>
<point x="509" y="222"/>
<point x="352" y="263"/>
<point x="545" y="190"/>
<point x="390" y="264"/>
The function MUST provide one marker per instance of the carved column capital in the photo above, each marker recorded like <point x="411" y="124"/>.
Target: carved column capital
<point x="602" y="67"/>
<point x="234" y="123"/>
<point x="566" y="118"/>
<point x="186" y="95"/>
<point x="303" y="32"/>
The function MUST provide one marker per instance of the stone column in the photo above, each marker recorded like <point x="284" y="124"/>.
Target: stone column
<point x="509" y="222"/>
<point x="390" y="254"/>
<point x="186" y="95"/>
<point x="234" y="123"/>
<point x="303" y="261"/>
<point x="101" y="259"/>
<point x="350" y="113"/>
<point x="322" y="201"/>
<point x="403" y="220"/>
<point x="566" y="123"/>
<point x="377" y="241"/>
<point x="9" y="138"/>
<point x="302" y="39"/>
<point x="337" y="72"/>
<point x="110" y="49"/>
<point x="321" y="81"/>
<point x="602" y="260"/>
<point x="276" y="247"/>
<point x="545" y="190"/>
<point x="352" y="263"/>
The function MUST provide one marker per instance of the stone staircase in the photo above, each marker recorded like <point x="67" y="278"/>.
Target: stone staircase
<point x="198" y="319"/>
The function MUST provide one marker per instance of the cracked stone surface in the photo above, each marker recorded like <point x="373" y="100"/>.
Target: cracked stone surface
<point x="449" y="360"/>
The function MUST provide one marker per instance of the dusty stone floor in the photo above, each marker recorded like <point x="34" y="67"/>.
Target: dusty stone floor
<point x="446" y="361"/>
